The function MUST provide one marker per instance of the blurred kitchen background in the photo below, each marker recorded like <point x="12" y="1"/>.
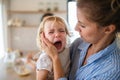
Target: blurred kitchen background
<point x="19" y="20"/>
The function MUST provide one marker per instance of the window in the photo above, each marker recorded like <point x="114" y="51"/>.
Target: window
<point x="72" y="19"/>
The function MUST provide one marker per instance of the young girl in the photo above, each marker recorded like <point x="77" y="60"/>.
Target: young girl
<point x="55" y="30"/>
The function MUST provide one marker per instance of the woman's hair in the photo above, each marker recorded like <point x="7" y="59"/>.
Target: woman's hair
<point x="55" y="19"/>
<point x="102" y="12"/>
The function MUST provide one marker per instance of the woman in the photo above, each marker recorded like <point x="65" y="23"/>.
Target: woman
<point x="94" y="56"/>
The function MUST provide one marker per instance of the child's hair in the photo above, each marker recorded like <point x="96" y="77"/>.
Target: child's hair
<point x="42" y="24"/>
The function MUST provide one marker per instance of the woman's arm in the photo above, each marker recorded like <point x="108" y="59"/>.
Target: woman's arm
<point x="41" y="74"/>
<point x="58" y="70"/>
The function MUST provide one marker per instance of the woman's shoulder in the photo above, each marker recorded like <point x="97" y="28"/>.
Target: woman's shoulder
<point x="77" y="42"/>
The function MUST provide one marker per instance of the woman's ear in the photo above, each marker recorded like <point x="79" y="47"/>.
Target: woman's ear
<point x="110" y="29"/>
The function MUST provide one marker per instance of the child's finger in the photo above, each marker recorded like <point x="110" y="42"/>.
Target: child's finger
<point x="46" y="41"/>
<point x="43" y="45"/>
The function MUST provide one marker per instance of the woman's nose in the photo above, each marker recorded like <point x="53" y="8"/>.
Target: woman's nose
<point x="77" y="28"/>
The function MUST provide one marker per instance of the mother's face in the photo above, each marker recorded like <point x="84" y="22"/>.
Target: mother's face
<point x="88" y="30"/>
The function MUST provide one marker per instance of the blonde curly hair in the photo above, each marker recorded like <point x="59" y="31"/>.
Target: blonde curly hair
<point x="42" y="24"/>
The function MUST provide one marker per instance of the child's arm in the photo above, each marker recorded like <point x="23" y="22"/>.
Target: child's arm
<point x="43" y="67"/>
<point x="41" y="74"/>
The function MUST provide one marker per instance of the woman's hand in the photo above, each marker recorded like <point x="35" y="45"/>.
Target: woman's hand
<point x="48" y="47"/>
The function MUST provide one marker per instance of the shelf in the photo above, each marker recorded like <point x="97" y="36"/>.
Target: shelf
<point x="25" y="26"/>
<point x="33" y="12"/>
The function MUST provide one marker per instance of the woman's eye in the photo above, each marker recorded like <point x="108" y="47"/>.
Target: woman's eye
<point x="82" y="26"/>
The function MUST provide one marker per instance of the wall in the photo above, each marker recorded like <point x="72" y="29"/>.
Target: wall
<point x="24" y="37"/>
<point x="1" y="32"/>
<point x="36" y="4"/>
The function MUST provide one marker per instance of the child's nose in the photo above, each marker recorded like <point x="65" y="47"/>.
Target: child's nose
<point x="57" y="34"/>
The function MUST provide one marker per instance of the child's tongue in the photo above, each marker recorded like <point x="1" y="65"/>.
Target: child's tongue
<point x="58" y="44"/>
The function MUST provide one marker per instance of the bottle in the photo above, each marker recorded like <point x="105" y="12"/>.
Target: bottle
<point x="9" y="58"/>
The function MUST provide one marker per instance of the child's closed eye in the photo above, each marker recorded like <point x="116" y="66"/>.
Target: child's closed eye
<point x="51" y="32"/>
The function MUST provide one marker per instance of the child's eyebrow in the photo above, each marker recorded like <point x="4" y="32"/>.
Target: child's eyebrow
<point x="61" y="28"/>
<point x="51" y="29"/>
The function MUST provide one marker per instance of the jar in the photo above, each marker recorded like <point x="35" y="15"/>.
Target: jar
<point x="9" y="58"/>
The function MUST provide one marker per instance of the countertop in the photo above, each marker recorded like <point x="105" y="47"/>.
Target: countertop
<point x="8" y="73"/>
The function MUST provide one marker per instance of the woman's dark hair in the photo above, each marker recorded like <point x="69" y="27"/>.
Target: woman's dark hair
<point x="45" y="15"/>
<point x="102" y="12"/>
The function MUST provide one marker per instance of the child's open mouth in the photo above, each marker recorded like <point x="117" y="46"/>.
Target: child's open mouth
<point x="58" y="44"/>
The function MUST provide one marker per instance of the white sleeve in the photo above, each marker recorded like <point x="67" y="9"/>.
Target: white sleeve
<point x="44" y="62"/>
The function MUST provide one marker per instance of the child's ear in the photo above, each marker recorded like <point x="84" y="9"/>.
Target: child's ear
<point x="109" y="29"/>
